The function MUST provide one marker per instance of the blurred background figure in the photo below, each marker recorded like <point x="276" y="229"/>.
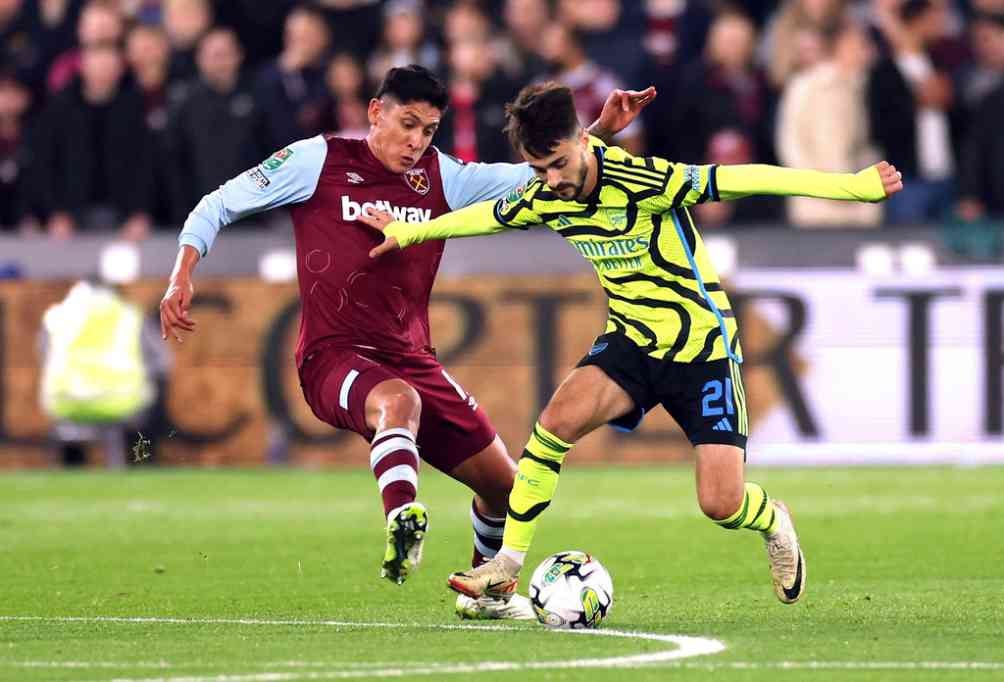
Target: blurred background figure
<point x="101" y="24"/>
<point x="519" y="48"/>
<point x="561" y="46"/>
<point x="909" y="101"/>
<point x="404" y="41"/>
<point x="291" y="88"/>
<point x="217" y="129"/>
<point x="148" y="54"/>
<point x="186" y="22"/>
<point x="471" y="128"/>
<point x="795" y="36"/>
<point x="981" y="171"/>
<point x="823" y="124"/>
<point x="15" y="157"/>
<point x="348" y="96"/>
<point x="102" y="365"/>
<point x="722" y="91"/>
<point x="94" y="154"/>
<point x="605" y="28"/>
<point x="24" y="51"/>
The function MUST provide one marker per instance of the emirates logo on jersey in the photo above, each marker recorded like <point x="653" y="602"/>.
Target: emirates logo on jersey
<point x="418" y="180"/>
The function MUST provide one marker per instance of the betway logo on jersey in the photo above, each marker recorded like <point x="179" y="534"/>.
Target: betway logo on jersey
<point x="351" y="210"/>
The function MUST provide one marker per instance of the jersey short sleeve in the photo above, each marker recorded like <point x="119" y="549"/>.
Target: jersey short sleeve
<point x="469" y="183"/>
<point x="516" y="208"/>
<point x="289" y="176"/>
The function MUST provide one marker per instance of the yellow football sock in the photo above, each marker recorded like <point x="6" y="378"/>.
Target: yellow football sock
<point x="756" y="512"/>
<point x="535" y="484"/>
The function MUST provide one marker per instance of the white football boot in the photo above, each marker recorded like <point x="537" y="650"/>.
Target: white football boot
<point x="406" y="528"/>
<point x="495" y="578"/>
<point x="488" y="608"/>
<point x="787" y="564"/>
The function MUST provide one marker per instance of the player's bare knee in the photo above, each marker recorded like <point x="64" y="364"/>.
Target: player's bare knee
<point x="720" y="502"/>
<point x="561" y="419"/>
<point x="398" y="404"/>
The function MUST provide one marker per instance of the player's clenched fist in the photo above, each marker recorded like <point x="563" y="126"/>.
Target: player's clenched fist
<point x="892" y="179"/>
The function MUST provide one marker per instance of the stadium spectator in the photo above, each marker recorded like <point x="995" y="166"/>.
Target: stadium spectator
<point x="986" y="71"/>
<point x="290" y="90"/>
<point x="148" y="54"/>
<point x="722" y="91"/>
<point x="100" y="23"/>
<point x="14" y="154"/>
<point x="908" y="103"/>
<point x="256" y="24"/>
<point x="145" y="12"/>
<point x="465" y="21"/>
<point x="793" y="39"/>
<point x="604" y="28"/>
<point x="476" y="114"/>
<point x="356" y="25"/>
<point x="216" y="130"/>
<point x="346" y="83"/>
<point x="477" y="89"/>
<point x="186" y="22"/>
<point x="981" y="175"/>
<point x="404" y="40"/>
<point x="94" y="153"/>
<point x="562" y="47"/>
<point x="21" y="46"/>
<point x="823" y="124"/>
<point x="518" y="51"/>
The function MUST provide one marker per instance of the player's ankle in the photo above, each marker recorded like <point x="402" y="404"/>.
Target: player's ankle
<point x="513" y="555"/>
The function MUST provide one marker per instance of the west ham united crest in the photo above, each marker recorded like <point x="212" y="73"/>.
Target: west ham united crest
<point x="418" y="180"/>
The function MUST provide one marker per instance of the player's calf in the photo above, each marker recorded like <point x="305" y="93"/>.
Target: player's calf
<point x="487" y="535"/>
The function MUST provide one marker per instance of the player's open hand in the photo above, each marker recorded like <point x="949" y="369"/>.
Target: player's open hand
<point x="622" y="107"/>
<point x="892" y="179"/>
<point x="378" y="220"/>
<point x="174" y="308"/>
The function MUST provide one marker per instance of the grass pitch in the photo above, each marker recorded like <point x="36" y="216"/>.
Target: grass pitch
<point x="272" y="576"/>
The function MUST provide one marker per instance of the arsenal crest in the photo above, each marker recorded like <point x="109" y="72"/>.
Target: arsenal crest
<point x="418" y="180"/>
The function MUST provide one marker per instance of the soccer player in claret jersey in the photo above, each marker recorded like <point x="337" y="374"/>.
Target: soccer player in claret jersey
<point x="671" y="335"/>
<point x="364" y="353"/>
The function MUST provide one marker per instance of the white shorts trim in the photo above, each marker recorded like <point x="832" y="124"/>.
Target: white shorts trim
<point x="343" y="395"/>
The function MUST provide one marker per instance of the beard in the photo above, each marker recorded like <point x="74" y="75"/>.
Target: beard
<point x="573" y="190"/>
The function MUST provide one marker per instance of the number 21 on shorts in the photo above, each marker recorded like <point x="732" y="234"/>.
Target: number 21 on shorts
<point x="714" y="391"/>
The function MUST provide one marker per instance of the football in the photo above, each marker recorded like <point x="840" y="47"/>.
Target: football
<point x="571" y="590"/>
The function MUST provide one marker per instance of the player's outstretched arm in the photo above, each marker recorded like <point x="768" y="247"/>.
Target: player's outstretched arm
<point x="619" y="111"/>
<point x="472" y="221"/>
<point x="873" y="184"/>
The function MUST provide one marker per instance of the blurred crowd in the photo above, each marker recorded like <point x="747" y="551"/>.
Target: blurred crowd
<point x="125" y="112"/>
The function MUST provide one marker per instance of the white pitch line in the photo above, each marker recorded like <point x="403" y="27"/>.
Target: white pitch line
<point x="841" y="665"/>
<point x="686" y="647"/>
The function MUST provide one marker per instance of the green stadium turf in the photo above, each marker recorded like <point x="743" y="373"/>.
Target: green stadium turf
<point x="145" y="575"/>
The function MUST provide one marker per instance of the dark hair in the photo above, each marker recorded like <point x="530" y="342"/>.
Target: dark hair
<point x="414" y="83"/>
<point x="911" y="9"/>
<point x="542" y="115"/>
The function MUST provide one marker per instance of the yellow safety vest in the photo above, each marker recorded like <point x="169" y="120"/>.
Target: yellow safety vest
<point x="94" y="370"/>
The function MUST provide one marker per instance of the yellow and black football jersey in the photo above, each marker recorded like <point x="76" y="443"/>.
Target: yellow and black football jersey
<point x="664" y="293"/>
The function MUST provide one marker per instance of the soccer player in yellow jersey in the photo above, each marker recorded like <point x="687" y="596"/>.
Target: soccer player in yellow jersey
<point x="671" y="335"/>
